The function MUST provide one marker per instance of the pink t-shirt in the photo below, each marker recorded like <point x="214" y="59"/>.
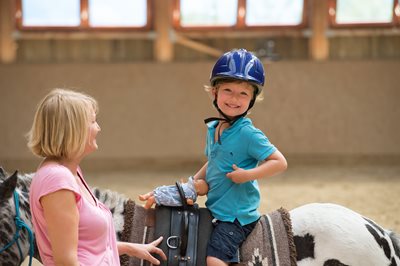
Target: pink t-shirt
<point x="97" y="244"/>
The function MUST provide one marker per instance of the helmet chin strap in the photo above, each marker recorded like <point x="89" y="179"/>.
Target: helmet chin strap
<point x="225" y="118"/>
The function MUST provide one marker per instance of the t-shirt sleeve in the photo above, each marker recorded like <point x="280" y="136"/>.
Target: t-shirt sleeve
<point x="208" y="145"/>
<point x="209" y="137"/>
<point x="260" y="147"/>
<point x="55" y="179"/>
<point x="206" y="149"/>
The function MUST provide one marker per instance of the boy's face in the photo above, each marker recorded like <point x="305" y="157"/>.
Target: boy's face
<point x="234" y="97"/>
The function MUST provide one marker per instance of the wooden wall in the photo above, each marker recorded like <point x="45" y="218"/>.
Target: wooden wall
<point x="153" y="112"/>
<point x="331" y="94"/>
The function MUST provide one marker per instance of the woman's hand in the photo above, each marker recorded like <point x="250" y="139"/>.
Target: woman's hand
<point x="142" y="251"/>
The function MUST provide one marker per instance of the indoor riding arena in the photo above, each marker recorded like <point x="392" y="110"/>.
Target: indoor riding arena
<point x="331" y="95"/>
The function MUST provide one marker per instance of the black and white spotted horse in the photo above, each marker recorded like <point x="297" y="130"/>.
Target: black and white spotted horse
<point x="16" y="229"/>
<point x="324" y="234"/>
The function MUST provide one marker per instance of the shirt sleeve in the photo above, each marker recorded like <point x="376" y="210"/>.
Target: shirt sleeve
<point x="260" y="147"/>
<point x="55" y="179"/>
<point x="210" y="137"/>
<point x="208" y="144"/>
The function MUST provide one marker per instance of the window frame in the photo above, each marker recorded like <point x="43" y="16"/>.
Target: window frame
<point x="240" y="22"/>
<point x="84" y="21"/>
<point x="333" y="24"/>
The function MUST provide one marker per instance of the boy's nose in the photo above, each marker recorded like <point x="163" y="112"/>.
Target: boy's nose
<point x="235" y="97"/>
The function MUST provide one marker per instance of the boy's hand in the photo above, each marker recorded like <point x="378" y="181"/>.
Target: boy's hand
<point x="238" y="175"/>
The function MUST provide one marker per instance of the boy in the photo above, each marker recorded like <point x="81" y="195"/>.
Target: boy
<point x="238" y="154"/>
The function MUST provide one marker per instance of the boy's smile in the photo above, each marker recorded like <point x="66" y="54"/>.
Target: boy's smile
<point x="233" y="98"/>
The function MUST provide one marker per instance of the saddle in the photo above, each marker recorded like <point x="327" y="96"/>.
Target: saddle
<point x="186" y="230"/>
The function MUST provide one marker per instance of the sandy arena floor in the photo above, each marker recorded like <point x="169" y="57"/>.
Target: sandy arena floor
<point x="373" y="191"/>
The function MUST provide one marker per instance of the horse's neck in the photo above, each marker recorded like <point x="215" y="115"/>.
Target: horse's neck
<point x="23" y="185"/>
<point x="8" y="225"/>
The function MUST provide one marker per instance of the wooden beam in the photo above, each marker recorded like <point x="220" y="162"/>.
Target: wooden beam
<point x="50" y="35"/>
<point x="319" y="44"/>
<point x="163" y="46"/>
<point x="198" y="46"/>
<point x="8" y="47"/>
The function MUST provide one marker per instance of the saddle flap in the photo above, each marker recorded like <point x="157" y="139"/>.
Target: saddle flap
<point x="169" y="225"/>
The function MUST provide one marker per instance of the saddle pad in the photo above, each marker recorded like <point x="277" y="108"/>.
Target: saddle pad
<point x="271" y="242"/>
<point x="138" y="228"/>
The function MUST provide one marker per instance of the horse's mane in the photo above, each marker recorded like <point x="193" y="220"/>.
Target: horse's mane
<point x="110" y="198"/>
<point x="24" y="181"/>
<point x="116" y="203"/>
<point x="396" y="242"/>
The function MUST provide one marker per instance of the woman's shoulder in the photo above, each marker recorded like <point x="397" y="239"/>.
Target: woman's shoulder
<point x="53" y="173"/>
<point x="52" y="168"/>
<point x="51" y="177"/>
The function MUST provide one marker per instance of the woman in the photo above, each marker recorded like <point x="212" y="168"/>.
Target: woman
<point x="72" y="227"/>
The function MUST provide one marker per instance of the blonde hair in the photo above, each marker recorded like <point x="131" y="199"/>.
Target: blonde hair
<point x="221" y="81"/>
<point x="60" y="124"/>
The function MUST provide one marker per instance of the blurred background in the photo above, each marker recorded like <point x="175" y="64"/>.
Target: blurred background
<point x="331" y="96"/>
<point x="332" y="75"/>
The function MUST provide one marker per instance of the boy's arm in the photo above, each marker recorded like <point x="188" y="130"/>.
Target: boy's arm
<point x="274" y="164"/>
<point x="201" y="174"/>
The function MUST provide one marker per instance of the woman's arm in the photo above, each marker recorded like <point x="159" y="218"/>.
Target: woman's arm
<point x="142" y="251"/>
<point x="62" y="219"/>
<point x="274" y="164"/>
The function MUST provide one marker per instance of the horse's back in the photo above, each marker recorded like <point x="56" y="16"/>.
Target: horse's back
<point x="329" y="233"/>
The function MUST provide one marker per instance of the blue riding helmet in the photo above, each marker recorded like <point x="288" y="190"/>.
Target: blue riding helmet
<point x="239" y="64"/>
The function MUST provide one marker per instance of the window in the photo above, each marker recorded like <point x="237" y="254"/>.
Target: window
<point x="82" y="14"/>
<point x="41" y="13"/>
<point x="238" y="14"/>
<point x="347" y="13"/>
<point x="274" y="13"/>
<point x="206" y="13"/>
<point x="117" y="13"/>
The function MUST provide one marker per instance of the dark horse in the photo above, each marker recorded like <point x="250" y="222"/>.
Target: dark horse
<point x="323" y="234"/>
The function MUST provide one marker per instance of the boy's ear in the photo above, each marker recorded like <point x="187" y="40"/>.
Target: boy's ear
<point x="214" y="91"/>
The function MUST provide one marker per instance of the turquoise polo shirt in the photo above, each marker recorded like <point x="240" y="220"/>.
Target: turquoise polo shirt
<point x="244" y="145"/>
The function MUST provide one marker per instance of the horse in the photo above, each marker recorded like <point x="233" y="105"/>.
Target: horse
<point x="16" y="228"/>
<point x="322" y="233"/>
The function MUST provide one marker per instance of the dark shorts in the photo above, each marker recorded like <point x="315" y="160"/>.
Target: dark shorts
<point x="226" y="239"/>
